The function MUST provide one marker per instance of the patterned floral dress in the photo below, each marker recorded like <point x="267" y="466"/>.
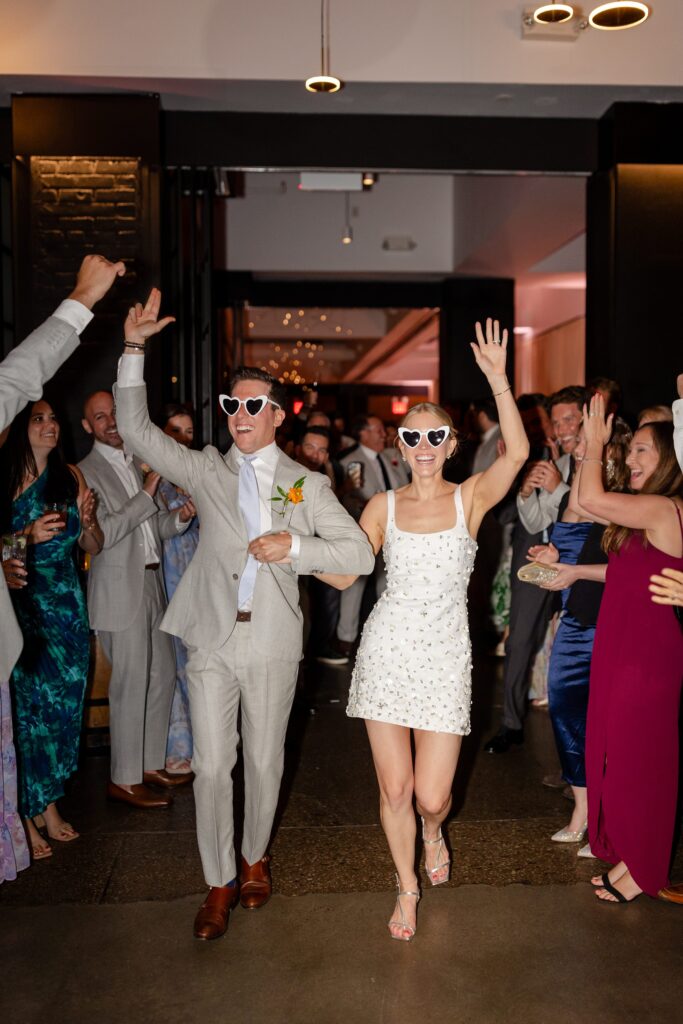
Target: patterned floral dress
<point x="48" y="682"/>
<point x="178" y="552"/>
<point x="14" y="855"/>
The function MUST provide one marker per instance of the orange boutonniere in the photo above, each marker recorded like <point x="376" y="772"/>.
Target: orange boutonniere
<point x="293" y="496"/>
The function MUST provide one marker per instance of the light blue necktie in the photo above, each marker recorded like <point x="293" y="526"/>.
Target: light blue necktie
<point x="249" y="507"/>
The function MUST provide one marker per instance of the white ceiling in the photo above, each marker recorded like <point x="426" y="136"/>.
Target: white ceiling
<point x="431" y="57"/>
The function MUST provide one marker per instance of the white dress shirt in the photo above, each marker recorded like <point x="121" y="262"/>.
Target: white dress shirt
<point x="73" y="313"/>
<point x="122" y="464"/>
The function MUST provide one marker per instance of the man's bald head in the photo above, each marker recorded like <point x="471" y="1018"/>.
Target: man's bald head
<point x="99" y="419"/>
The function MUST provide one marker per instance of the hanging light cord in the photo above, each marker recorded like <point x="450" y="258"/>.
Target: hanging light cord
<point x="325" y="36"/>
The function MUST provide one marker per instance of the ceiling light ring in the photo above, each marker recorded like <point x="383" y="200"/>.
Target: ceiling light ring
<point x="635" y="11"/>
<point x="553" y="14"/>
<point x="324" y="82"/>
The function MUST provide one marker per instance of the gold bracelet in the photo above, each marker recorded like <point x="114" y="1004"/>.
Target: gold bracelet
<point x="497" y="394"/>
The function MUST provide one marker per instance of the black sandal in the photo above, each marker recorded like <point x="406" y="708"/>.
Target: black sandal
<point x="620" y="898"/>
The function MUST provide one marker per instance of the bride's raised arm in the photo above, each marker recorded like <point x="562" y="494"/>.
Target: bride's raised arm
<point x="491" y="486"/>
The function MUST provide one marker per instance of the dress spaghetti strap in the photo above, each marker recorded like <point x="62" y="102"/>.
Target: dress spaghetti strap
<point x="391" y="510"/>
<point x="460" y="523"/>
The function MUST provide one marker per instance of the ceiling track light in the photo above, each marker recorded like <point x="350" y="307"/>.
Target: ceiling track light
<point x="369" y="179"/>
<point x="618" y="14"/>
<point x="324" y="82"/>
<point x="553" y="14"/>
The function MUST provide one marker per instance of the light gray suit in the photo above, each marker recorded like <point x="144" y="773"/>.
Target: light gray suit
<point x="252" y="665"/>
<point x="397" y="476"/>
<point x="22" y="376"/>
<point x="126" y="603"/>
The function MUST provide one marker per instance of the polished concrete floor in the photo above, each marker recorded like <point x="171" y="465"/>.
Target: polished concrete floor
<point x="102" y="931"/>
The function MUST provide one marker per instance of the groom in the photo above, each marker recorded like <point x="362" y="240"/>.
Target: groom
<point x="264" y="522"/>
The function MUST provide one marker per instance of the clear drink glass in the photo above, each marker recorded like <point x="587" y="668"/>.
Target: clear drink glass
<point x="14" y="546"/>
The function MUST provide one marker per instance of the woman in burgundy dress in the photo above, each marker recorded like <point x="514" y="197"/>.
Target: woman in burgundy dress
<point x="637" y="669"/>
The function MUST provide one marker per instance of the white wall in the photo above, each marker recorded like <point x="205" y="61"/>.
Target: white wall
<point x="300" y="232"/>
<point x="386" y="40"/>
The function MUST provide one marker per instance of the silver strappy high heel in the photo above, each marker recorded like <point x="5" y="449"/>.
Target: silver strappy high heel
<point x="402" y="923"/>
<point x="432" y="873"/>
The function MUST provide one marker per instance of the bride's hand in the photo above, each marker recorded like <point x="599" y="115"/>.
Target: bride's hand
<point x="490" y="351"/>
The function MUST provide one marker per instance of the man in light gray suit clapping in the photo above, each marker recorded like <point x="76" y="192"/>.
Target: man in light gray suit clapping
<point x="265" y="521"/>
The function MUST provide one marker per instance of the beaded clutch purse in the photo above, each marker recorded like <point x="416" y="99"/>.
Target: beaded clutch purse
<point x="537" y="573"/>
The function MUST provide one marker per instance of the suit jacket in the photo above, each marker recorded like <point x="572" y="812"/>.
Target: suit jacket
<point x="540" y="510"/>
<point x="22" y="376"/>
<point x="204" y="607"/>
<point x="357" y="499"/>
<point x="487" y="452"/>
<point x="117" y="575"/>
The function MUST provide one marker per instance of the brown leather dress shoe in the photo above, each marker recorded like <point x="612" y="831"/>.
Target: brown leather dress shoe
<point x="163" y="778"/>
<point x="141" y="796"/>
<point x="256" y="885"/>
<point x="212" y="918"/>
<point x="672" y="894"/>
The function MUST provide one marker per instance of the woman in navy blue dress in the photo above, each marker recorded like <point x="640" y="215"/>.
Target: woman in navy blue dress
<point x="576" y="552"/>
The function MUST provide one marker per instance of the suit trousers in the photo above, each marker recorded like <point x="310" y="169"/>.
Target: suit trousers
<point x="352" y="599"/>
<point x="530" y="609"/>
<point x="239" y="675"/>
<point x="141" y="687"/>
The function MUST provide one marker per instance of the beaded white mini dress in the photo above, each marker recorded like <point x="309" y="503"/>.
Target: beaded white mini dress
<point x="414" y="663"/>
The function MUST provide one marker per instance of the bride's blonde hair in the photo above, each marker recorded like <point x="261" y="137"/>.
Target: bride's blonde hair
<point x="436" y="410"/>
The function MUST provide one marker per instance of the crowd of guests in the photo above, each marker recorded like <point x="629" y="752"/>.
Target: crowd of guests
<point x="580" y="558"/>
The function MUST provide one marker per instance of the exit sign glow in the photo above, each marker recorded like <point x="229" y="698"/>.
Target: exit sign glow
<point x="399" y="406"/>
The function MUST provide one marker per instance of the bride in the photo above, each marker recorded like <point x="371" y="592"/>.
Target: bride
<point x="413" y="668"/>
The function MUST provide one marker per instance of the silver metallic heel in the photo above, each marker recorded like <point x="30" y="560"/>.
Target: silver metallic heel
<point x="432" y="873"/>
<point x="402" y="923"/>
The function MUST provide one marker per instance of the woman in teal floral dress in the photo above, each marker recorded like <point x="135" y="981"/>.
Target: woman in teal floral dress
<point x="48" y="682"/>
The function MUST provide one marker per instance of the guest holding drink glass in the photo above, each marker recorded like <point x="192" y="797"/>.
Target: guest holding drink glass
<point x="177" y="422"/>
<point x="47" y="502"/>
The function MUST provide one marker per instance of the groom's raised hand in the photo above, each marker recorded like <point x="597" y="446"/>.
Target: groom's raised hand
<point x="143" y="321"/>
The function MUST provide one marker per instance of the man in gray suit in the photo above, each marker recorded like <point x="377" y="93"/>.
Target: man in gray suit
<point x="265" y="521"/>
<point x="369" y="468"/>
<point x="22" y="376"/>
<point x="126" y="603"/>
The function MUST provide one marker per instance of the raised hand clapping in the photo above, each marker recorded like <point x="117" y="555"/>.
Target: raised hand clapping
<point x="596" y="427"/>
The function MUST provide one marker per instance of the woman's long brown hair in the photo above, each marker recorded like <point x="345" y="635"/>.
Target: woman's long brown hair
<point x="666" y="480"/>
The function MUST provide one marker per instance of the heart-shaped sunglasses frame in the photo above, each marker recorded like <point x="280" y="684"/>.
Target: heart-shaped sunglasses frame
<point x="253" y="406"/>
<point x="412" y="438"/>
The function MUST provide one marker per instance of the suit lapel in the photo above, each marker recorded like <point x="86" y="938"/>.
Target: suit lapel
<point x="113" y="483"/>
<point x="287" y="472"/>
<point x="232" y="484"/>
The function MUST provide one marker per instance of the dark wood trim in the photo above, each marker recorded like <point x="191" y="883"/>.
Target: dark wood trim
<point x="237" y="286"/>
<point x="381" y="142"/>
<point x="48" y="125"/>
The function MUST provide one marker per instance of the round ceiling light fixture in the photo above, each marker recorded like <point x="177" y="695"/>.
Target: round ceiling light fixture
<point x="553" y="14"/>
<point x="324" y="82"/>
<point x="618" y="14"/>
